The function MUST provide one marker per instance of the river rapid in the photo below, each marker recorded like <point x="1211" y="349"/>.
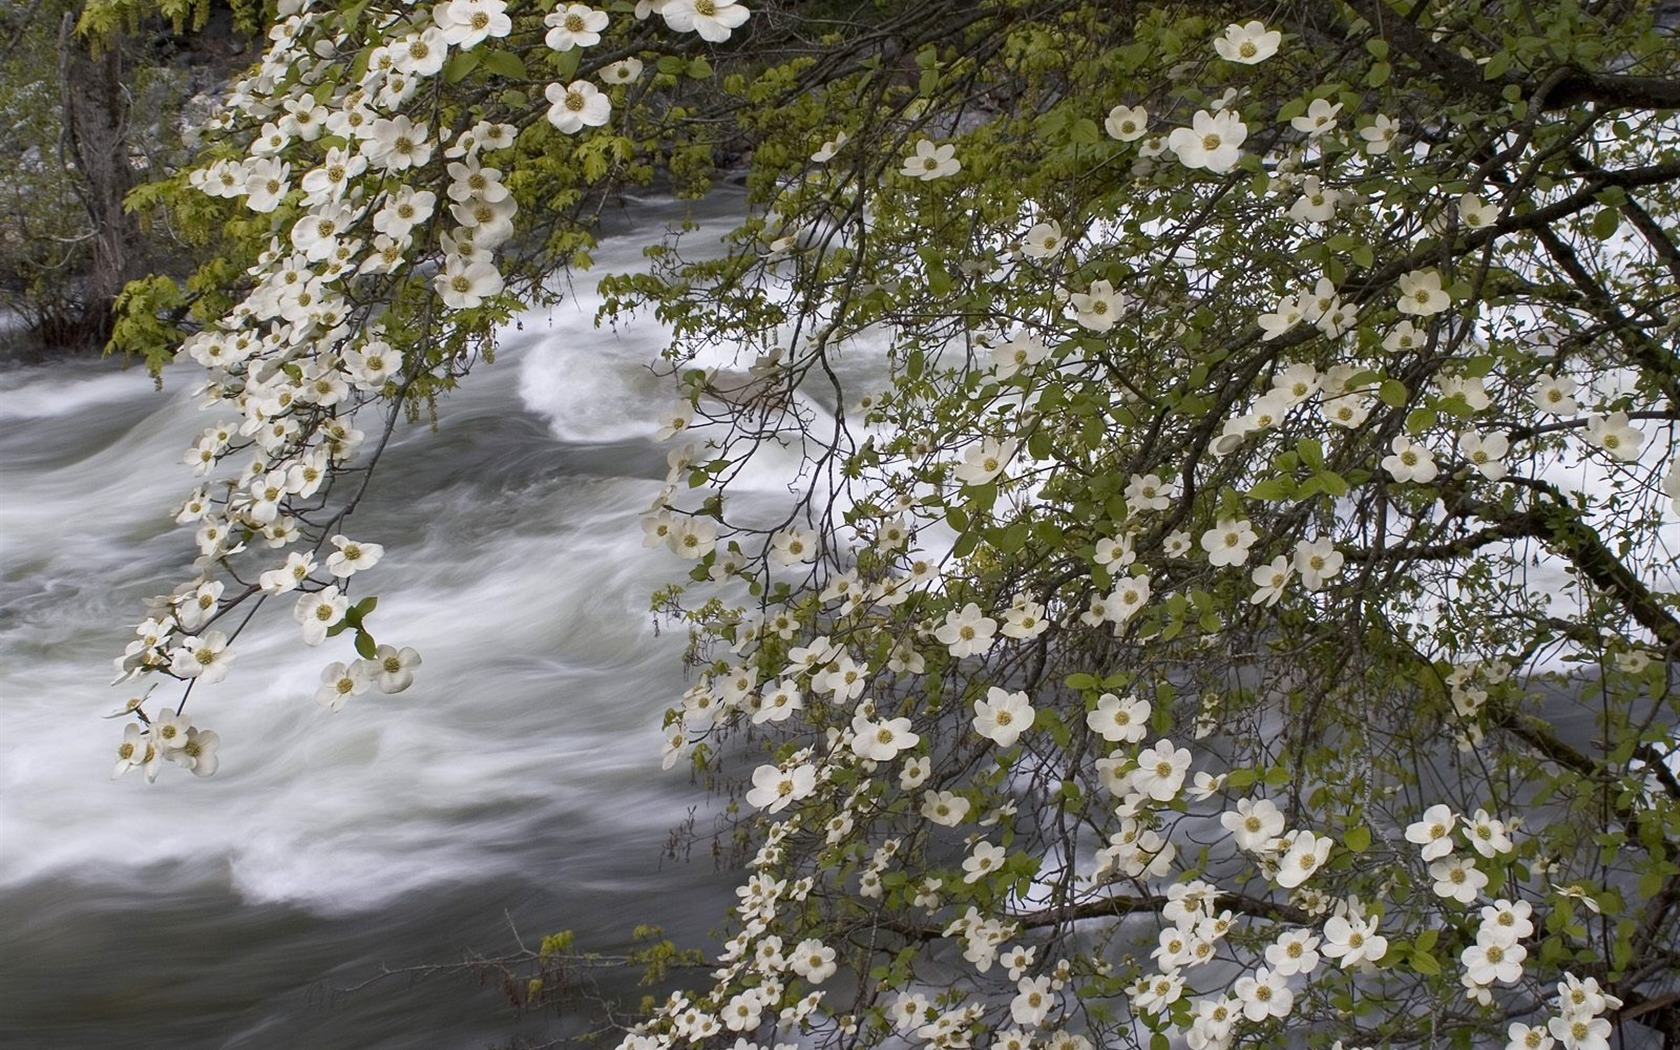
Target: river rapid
<point x="515" y="787"/>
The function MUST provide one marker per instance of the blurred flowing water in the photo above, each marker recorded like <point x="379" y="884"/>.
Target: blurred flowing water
<point x="517" y="784"/>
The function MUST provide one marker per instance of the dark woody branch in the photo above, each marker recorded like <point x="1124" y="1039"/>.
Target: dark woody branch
<point x="1560" y="88"/>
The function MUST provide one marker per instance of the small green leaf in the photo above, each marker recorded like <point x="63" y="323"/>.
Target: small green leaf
<point x="566" y="63"/>
<point x="1012" y="538"/>
<point x="1273" y="489"/>
<point x="1311" y="453"/>
<point x="965" y="545"/>
<point x="1421" y="419"/>
<point x="1392" y="392"/>
<point x="505" y="64"/>
<point x="459" y="65"/>
<point x="1358" y="839"/>
<point x="365" y="647"/>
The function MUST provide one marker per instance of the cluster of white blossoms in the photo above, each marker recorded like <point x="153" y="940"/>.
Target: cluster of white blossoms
<point x="370" y="191"/>
<point x="167" y="737"/>
<point x="390" y="669"/>
<point x="910" y="693"/>
<point x="812" y="670"/>
<point x="1196" y="936"/>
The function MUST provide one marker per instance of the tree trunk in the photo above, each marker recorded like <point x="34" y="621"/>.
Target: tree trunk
<point x="95" y="104"/>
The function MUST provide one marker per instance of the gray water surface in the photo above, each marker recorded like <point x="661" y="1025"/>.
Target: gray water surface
<point x="516" y="785"/>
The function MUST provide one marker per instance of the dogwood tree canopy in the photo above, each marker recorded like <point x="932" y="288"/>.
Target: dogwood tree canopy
<point x="1228" y="593"/>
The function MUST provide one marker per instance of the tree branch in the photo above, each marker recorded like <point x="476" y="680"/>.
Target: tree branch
<point x="1560" y="88"/>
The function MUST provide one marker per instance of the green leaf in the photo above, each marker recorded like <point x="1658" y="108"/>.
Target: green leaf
<point x="365" y="647"/>
<point x="459" y="65"/>
<point x="1358" y="839"/>
<point x="566" y="63"/>
<point x="1332" y="483"/>
<point x="1038" y="444"/>
<point x="1012" y="538"/>
<point x="965" y="545"/>
<point x="1605" y="223"/>
<point x="1081" y="681"/>
<point x="1392" y="393"/>
<point x="1425" y="963"/>
<point x="505" y="64"/>
<point x="1420" y="419"/>
<point x="1311" y="453"/>
<point x="1273" y="489"/>
<point x="1240" y="778"/>
<point x="1060" y="733"/>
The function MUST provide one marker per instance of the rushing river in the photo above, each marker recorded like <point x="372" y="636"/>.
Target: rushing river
<point x="516" y="786"/>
